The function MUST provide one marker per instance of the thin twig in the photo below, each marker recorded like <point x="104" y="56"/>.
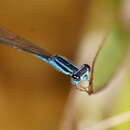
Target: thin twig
<point x="110" y="122"/>
<point x="74" y="100"/>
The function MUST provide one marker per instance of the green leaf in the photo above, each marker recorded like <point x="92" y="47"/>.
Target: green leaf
<point x="110" y="57"/>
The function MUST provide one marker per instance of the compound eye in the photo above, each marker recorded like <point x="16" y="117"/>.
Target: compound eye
<point x="87" y="66"/>
<point x="75" y="78"/>
<point x="85" y="77"/>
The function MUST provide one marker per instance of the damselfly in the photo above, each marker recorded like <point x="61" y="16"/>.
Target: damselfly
<point x="76" y="74"/>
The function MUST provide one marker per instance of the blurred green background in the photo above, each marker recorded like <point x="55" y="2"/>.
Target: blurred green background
<point x="32" y="93"/>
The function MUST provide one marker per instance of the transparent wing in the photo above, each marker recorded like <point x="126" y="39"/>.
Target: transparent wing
<point x="14" y="41"/>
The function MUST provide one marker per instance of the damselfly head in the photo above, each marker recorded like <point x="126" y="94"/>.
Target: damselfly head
<point x="81" y="77"/>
